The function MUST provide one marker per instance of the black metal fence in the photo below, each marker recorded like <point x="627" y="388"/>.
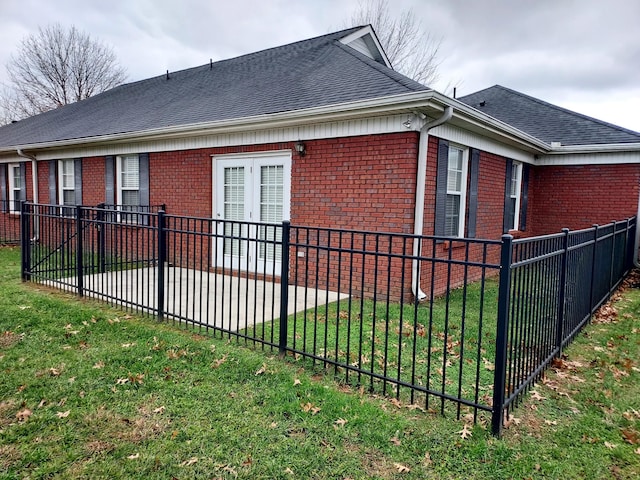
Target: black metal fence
<point x="9" y="222"/>
<point x="497" y="311"/>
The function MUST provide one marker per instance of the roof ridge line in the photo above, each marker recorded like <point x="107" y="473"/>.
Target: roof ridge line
<point x="330" y="34"/>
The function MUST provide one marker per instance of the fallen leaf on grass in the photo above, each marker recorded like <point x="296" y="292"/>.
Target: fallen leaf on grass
<point x="134" y="456"/>
<point x="630" y="436"/>
<point x="262" y="369"/>
<point x="122" y="381"/>
<point x="551" y="422"/>
<point x="63" y="414"/>
<point x="395" y="441"/>
<point x="536" y="396"/>
<point x="99" y="365"/>
<point x="426" y="461"/>
<point x="42" y="403"/>
<point x="637" y="451"/>
<point x="340" y="422"/>
<point x="396" y="403"/>
<point x="189" y="462"/>
<point x="136" y="379"/>
<point x="220" y="361"/>
<point x="23" y="307"/>
<point x="610" y="446"/>
<point x="465" y="432"/>
<point x="23" y="415"/>
<point x="309" y="407"/>
<point x="128" y="345"/>
<point x="54" y="372"/>
<point x="401" y="468"/>
<point x="488" y="365"/>
<point x="288" y="471"/>
<point x="159" y="410"/>
<point x="296" y="382"/>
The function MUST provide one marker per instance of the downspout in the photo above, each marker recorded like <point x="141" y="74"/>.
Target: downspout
<point x="34" y="181"/>
<point x="421" y="179"/>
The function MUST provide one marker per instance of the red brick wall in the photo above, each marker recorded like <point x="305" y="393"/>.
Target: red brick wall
<point x="363" y="182"/>
<point x="93" y="180"/>
<point x="577" y="196"/>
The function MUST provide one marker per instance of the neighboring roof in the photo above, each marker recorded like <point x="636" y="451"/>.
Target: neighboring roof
<point x="311" y="73"/>
<point x="545" y="121"/>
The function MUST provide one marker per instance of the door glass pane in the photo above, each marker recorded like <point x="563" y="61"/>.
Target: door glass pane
<point x="271" y="211"/>
<point x="233" y="210"/>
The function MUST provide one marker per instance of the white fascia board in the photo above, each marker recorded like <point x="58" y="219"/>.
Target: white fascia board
<point x="596" y="148"/>
<point x="405" y="102"/>
<point x="368" y="30"/>
<point x="426" y="101"/>
<point x="589" y="158"/>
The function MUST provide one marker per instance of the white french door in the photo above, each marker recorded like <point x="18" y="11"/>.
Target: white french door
<point x="250" y="192"/>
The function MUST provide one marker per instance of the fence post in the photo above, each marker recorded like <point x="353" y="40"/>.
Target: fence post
<point x="500" y="372"/>
<point x="162" y="258"/>
<point x="284" y="289"/>
<point x="25" y="242"/>
<point x="101" y="224"/>
<point x="562" y="291"/>
<point x="613" y="257"/>
<point x="79" y="252"/>
<point x="594" y="259"/>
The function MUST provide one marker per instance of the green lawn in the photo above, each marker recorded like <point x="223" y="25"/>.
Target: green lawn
<point x="88" y="391"/>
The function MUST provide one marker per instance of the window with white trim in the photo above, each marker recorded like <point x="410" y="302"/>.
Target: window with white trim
<point x="66" y="182"/>
<point x="15" y="187"/>
<point x="456" y="192"/>
<point x="128" y="182"/>
<point x="515" y="194"/>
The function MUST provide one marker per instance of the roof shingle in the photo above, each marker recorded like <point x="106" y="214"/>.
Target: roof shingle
<point x="315" y="72"/>
<point x="546" y="121"/>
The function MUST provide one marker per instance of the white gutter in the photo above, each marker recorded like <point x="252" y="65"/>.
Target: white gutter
<point x="596" y="148"/>
<point x="421" y="181"/>
<point x="393" y="103"/>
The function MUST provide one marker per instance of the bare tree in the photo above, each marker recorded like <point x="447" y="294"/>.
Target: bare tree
<point x="411" y="51"/>
<point x="55" y="67"/>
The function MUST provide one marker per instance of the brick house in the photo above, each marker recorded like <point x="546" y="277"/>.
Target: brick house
<point x="325" y="133"/>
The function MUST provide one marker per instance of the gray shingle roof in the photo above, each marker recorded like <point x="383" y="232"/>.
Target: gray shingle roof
<point x="545" y="121"/>
<point x="315" y="72"/>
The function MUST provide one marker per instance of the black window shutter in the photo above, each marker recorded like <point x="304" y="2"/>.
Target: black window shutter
<point x="143" y="165"/>
<point x="53" y="185"/>
<point x="77" y="180"/>
<point x="473" y="193"/>
<point x="508" y="212"/>
<point x="524" y="197"/>
<point x="110" y="179"/>
<point x="441" y="186"/>
<point x="4" y="205"/>
<point x="23" y="182"/>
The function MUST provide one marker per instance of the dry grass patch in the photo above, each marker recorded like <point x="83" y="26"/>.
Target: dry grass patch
<point x="9" y="339"/>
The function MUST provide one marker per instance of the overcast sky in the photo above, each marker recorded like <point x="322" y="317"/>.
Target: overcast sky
<point x="580" y="54"/>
